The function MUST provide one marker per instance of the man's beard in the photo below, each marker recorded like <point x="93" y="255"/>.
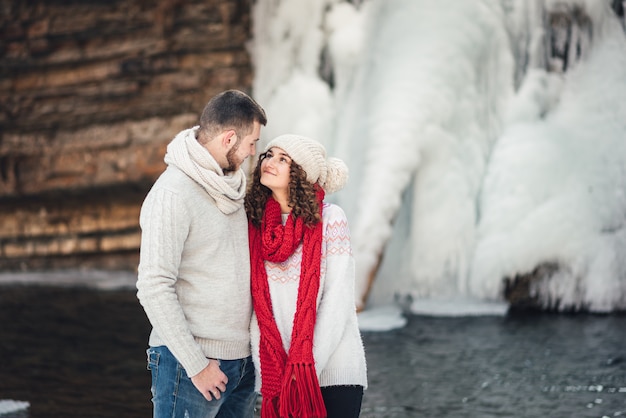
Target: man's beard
<point x="231" y="158"/>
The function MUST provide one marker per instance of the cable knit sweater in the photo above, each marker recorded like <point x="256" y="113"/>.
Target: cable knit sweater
<point x="194" y="269"/>
<point x="337" y="345"/>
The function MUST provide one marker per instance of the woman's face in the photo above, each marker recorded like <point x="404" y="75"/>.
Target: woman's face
<point x="275" y="170"/>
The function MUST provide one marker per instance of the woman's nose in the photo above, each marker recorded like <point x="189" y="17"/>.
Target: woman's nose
<point x="268" y="161"/>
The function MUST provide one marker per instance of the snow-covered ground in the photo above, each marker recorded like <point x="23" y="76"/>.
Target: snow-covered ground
<point x="9" y="406"/>
<point x="96" y="279"/>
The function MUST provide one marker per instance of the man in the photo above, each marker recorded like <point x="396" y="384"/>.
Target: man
<point x="194" y="268"/>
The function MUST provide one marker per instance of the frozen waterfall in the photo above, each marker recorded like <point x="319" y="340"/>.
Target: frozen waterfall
<point x="482" y="147"/>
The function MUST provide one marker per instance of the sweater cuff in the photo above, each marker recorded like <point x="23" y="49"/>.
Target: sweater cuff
<point x="195" y="365"/>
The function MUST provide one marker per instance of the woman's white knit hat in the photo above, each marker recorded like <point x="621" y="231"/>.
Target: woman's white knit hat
<point x="330" y="173"/>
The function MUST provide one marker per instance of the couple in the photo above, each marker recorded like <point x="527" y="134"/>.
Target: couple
<point x="219" y="308"/>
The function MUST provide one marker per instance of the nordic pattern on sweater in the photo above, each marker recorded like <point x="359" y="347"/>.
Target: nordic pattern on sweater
<point x="338" y="242"/>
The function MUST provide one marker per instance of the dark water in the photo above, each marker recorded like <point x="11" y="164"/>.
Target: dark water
<point x="518" y="366"/>
<point x="74" y="352"/>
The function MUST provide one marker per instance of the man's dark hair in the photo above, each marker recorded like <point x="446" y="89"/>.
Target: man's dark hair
<point x="231" y="109"/>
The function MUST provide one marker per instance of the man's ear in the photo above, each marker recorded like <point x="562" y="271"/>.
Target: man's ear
<point x="228" y="137"/>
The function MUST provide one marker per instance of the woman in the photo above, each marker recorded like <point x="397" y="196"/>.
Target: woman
<point x="306" y="343"/>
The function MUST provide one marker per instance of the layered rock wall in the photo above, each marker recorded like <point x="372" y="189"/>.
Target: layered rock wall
<point x="90" y="95"/>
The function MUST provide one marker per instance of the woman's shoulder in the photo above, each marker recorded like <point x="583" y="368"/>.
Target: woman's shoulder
<point x="333" y="213"/>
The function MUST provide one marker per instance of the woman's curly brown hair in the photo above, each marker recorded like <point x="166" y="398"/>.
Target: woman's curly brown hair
<point x="302" y="196"/>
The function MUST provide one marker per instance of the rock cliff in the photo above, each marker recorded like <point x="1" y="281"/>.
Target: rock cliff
<point x="90" y="95"/>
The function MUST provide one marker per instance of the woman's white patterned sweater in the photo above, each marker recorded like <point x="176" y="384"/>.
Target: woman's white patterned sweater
<point x="337" y="344"/>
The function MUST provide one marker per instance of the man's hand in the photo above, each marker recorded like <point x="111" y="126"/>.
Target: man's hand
<point x="211" y="381"/>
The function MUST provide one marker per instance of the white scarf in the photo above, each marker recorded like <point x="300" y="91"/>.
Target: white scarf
<point x="186" y="153"/>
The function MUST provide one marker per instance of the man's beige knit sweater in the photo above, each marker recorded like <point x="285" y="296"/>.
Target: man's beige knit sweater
<point x="194" y="270"/>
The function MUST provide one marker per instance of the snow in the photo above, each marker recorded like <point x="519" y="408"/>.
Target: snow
<point x="382" y="318"/>
<point x="92" y="279"/>
<point x="469" y="162"/>
<point x="9" y="406"/>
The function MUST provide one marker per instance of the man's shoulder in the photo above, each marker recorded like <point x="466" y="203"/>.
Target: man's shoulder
<point x="175" y="181"/>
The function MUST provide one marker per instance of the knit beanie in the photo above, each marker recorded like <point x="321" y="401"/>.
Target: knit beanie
<point x="330" y="173"/>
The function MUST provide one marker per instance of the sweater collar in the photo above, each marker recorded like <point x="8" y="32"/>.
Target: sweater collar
<point x="186" y="153"/>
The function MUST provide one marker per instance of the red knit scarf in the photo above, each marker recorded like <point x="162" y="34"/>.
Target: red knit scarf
<point x="290" y="387"/>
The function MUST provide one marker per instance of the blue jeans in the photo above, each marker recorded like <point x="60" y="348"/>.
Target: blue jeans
<point x="174" y="395"/>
